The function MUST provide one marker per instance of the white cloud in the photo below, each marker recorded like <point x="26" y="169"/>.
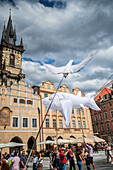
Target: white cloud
<point x="73" y="32"/>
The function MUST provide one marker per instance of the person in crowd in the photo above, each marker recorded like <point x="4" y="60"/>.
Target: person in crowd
<point x="35" y="161"/>
<point x="108" y="148"/>
<point x="54" y="159"/>
<point x="90" y="153"/>
<point x="50" y="156"/>
<point x="4" y="165"/>
<point x="79" y="158"/>
<point x="111" y="155"/>
<point x="71" y="158"/>
<point x="10" y="159"/>
<point x="15" y="162"/>
<point x="62" y="159"/>
<point x="57" y="160"/>
<point x="40" y="161"/>
<point x="23" y="161"/>
<point x="96" y="147"/>
<point x="6" y="156"/>
<point x="87" y="159"/>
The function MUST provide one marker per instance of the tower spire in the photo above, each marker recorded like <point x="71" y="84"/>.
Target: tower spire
<point x="10" y="12"/>
<point x="14" y="32"/>
<point x="3" y="33"/>
<point x="21" y="41"/>
<point x="4" y="25"/>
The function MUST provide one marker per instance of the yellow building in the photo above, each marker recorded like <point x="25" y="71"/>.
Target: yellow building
<point x="54" y="127"/>
<point x="18" y="114"/>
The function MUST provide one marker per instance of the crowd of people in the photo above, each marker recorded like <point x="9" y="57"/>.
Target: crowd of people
<point x="14" y="162"/>
<point x="59" y="158"/>
<point x="83" y="155"/>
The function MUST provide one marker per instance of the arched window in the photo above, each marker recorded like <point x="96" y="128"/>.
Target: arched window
<point x="12" y="60"/>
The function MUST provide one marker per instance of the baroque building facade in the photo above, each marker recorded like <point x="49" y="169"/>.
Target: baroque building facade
<point x="102" y="120"/>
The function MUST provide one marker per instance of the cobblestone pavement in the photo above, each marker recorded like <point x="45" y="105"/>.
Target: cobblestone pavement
<point x="99" y="160"/>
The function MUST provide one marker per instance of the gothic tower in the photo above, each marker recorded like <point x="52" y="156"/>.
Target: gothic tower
<point x="10" y="55"/>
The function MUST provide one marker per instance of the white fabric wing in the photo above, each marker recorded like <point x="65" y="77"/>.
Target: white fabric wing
<point x="69" y="68"/>
<point x="54" y="70"/>
<point x="78" y="67"/>
<point x="66" y="111"/>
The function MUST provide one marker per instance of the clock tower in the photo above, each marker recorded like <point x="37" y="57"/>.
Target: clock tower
<point x="10" y="55"/>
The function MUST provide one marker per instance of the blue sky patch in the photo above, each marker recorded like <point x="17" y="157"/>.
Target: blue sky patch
<point x="34" y="61"/>
<point x="52" y="4"/>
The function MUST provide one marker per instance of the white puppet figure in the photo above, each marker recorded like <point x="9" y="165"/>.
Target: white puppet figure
<point x="69" y="68"/>
<point x="65" y="102"/>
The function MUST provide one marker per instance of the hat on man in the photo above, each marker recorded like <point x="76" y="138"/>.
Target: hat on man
<point x="60" y="149"/>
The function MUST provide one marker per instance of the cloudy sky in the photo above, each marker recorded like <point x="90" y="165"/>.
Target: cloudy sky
<point x="55" y="31"/>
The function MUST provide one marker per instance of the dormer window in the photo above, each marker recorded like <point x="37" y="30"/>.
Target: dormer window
<point x="12" y="60"/>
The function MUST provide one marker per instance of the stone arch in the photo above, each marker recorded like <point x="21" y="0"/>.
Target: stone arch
<point x="48" y="146"/>
<point x="30" y="143"/>
<point x="72" y="137"/>
<point x="16" y="139"/>
<point x="61" y="145"/>
<point x="60" y="137"/>
<point x="17" y="148"/>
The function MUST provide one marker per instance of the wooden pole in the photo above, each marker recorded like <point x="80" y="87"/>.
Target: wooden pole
<point x="57" y="127"/>
<point x="81" y="124"/>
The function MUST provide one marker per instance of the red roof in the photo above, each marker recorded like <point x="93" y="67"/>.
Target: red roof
<point x="102" y="93"/>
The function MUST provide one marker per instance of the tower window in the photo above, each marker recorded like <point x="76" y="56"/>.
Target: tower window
<point x="29" y="102"/>
<point x="12" y="60"/>
<point x="22" y="101"/>
<point x="15" y="100"/>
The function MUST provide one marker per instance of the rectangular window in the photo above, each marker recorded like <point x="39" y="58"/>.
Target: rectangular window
<point x="15" y="100"/>
<point x="110" y="104"/>
<point x="105" y="96"/>
<point x="77" y="111"/>
<point x="46" y="109"/>
<point x="104" y="106"/>
<point x="72" y="111"/>
<point x="107" y="126"/>
<point x="79" y="123"/>
<point x="15" y="122"/>
<point x="98" y="130"/>
<point x="29" y="102"/>
<point x="84" y="124"/>
<point x="34" y="123"/>
<point x="102" y="127"/>
<point x="60" y="123"/>
<point x="64" y="90"/>
<point x="54" y="123"/>
<point x="111" y="113"/>
<point x="47" y="123"/>
<point x="73" y="124"/>
<point x="100" y="117"/>
<point x="106" y="116"/>
<point x="45" y="95"/>
<point x="22" y="101"/>
<point x="95" y="117"/>
<point x="82" y="112"/>
<point x="48" y="86"/>
<point x="25" y="122"/>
